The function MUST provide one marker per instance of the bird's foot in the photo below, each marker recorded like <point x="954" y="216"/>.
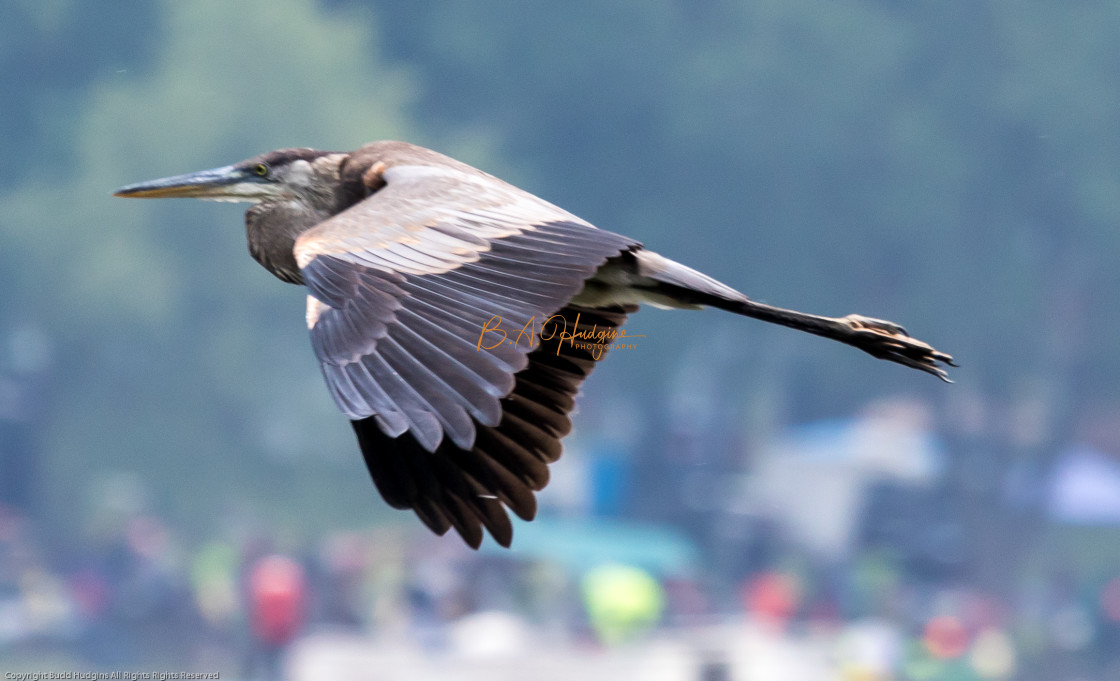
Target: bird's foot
<point x="887" y="340"/>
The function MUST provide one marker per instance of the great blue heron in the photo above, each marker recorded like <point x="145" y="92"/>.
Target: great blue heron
<point x="415" y="263"/>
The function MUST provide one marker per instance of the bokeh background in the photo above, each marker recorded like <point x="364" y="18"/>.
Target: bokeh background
<point x="178" y="493"/>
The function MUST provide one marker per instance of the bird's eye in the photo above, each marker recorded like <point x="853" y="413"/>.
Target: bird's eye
<point x="261" y="169"/>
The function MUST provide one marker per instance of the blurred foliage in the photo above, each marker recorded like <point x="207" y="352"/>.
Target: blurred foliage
<point x="177" y="352"/>
<point x="944" y="165"/>
<point x="949" y="166"/>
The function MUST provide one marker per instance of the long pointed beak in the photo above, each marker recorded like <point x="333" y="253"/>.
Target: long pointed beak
<point x="228" y="182"/>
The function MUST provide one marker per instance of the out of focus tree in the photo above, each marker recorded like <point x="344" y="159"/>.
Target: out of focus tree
<point x="945" y="165"/>
<point x="178" y="353"/>
<point x="940" y="164"/>
<point x="52" y="54"/>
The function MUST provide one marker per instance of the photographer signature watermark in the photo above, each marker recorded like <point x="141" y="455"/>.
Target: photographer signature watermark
<point x="594" y="339"/>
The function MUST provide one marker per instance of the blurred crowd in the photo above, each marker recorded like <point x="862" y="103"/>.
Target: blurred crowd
<point x="841" y="542"/>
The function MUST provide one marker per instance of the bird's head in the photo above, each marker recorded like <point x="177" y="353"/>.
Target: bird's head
<point x="281" y="175"/>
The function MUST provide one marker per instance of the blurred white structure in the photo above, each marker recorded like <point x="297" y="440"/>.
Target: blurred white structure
<point x="811" y="480"/>
<point x="1085" y="488"/>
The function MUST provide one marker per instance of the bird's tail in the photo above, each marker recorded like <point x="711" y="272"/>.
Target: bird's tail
<point x="686" y="287"/>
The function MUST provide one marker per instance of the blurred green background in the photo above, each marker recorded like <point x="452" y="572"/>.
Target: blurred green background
<point x="950" y="166"/>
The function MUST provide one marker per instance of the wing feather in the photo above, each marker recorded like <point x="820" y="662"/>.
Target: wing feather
<point x="410" y="291"/>
<point x="508" y="461"/>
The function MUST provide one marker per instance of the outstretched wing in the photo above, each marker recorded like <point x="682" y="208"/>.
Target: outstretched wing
<point x="426" y="304"/>
<point x="466" y="488"/>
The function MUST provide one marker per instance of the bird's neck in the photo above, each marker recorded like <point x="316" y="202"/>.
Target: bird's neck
<point x="272" y="230"/>
<point x="273" y="226"/>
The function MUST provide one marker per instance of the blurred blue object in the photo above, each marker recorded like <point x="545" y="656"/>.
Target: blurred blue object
<point x="582" y="544"/>
<point x="610" y="479"/>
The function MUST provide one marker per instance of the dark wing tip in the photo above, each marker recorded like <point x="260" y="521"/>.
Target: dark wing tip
<point x="471" y="489"/>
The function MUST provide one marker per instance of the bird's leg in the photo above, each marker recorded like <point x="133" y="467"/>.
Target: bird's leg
<point x="644" y="276"/>
<point x="877" y="337"/>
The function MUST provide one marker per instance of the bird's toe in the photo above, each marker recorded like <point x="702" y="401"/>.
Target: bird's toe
<point x="890" y="341"/>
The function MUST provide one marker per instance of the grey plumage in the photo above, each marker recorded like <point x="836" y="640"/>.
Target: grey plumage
<point x="408" y="257"/>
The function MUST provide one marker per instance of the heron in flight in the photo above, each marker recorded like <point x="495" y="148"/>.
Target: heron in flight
<point x="444" y="306"/>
